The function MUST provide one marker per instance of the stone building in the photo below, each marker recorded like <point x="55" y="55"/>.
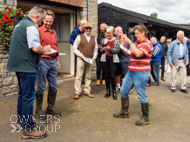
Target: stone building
<point x="68" y="15"/>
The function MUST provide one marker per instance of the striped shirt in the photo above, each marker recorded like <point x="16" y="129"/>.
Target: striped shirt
<point x="143" y="63"/>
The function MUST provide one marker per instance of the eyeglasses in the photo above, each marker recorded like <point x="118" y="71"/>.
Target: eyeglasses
<point x="88" y="28"/>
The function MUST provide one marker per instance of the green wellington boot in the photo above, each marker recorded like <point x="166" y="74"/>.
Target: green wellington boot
<point x="51" y="103"/>
<point x="124" y="109"/>
<point x="144" y="119"/>
<point x="38" y="112"/>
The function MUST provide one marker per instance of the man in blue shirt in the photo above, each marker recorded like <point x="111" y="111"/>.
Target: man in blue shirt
<point x="156" y="60"/>
<point x="122" y="66"/>
<point x="178" y="58"/>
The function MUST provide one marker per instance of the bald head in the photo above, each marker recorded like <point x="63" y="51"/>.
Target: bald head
<point x="118" y="31"/>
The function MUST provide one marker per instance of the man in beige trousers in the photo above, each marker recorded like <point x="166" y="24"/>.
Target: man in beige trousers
<point x="178" y="58"/>
<point x="85" y="46"/>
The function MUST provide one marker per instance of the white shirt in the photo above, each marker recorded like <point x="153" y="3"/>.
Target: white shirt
<point x="77" y="42"/>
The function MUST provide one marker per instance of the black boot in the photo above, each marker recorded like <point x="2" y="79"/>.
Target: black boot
<point x="38" y="112"/>
<point x="124" y="109"/>
<point x="114" y="95"/>
<point x="144" y="119"/>
<point x="107" y="94"/>
<point x="51" y="103"/>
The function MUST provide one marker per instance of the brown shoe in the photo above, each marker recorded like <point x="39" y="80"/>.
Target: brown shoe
<point x="163" y="79"/>
<point x="76" y="96"/>
<point x="89" y="95"/>
<point x="148" y="85"/>
<point x="155" y="84"/>
<point x="33" y="134"/>
<point x="98" y="82"/>
<point x="103" y="82"/>
<point x="19" y="123"/>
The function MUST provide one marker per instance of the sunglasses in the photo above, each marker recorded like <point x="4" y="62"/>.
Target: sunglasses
<point x="88" y="28"/>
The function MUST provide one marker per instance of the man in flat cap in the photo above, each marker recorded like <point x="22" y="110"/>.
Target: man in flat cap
<point x="86" y="48"/>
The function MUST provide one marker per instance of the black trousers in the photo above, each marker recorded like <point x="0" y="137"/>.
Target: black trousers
<point x="109" y="68"/>
<point x="99" y="69"/>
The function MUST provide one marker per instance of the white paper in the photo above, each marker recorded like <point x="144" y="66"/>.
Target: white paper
<point x="52" y="51"/>
<point x="62" y="54"/>
<point x="88" y="60"/>
<point x="125" y="49"/>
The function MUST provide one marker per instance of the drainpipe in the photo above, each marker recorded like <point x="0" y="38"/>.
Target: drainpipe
<point x="87" y="10"/>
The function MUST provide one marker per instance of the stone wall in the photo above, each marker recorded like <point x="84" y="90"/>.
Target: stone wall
<point x="90" y="9"/>
<point x="8" y="80"/>
<point x="8" y="3"/>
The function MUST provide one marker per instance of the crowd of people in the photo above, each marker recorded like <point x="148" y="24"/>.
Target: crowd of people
<point x="116" y="56"/>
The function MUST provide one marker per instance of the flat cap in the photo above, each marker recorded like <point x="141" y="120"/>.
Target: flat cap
<point x="88" y="25"/>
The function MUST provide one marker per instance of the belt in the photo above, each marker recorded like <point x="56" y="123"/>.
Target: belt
<point x="181" y="58"/>
<point x="49" y="59"/>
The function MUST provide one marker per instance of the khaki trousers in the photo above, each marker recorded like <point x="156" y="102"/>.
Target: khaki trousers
<point x="181" y="68"/>
<point x="81" y="67"/>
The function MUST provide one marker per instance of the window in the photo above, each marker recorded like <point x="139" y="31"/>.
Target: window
<point x="62" y="27"/>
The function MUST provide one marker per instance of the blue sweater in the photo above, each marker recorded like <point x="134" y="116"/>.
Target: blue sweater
<point x="122" y="57"/>
<point x="159" y="54"/>
<point x="74" y="34"/>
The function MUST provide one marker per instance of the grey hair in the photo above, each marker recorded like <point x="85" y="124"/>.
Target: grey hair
<point x="83" y="22"/>
<point x="180" y="32"/>
<point x="36" y="11"/>
<point x="185" y="39"/>
<point x="110" y="29"/>
<point x="104" y="25"/>
<point x="154" y="39"/>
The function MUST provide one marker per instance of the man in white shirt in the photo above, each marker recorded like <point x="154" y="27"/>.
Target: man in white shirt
<point x="85" y="46"/>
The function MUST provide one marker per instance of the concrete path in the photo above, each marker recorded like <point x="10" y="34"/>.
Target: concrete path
<point x="90" y="120"/>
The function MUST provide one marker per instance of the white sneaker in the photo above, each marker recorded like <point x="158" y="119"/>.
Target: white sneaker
<point x="117" y="88"/>
<point x="130" y="91"/>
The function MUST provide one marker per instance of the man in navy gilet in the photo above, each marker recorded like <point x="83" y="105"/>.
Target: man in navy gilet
<point x="24" y="59"/>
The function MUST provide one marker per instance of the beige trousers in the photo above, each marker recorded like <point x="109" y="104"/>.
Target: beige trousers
<point x="181" y="68"/>
<point x="81" y="67"/>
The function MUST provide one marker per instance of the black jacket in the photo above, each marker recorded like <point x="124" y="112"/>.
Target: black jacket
<point x="164" y="49"/>
<point x="100" y="37"/>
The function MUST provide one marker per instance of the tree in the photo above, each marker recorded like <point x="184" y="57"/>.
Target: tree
<point x="154" y="15"/>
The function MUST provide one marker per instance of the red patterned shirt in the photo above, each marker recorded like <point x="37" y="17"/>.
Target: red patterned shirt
<point x="143" y="63"/>
<point x="111" y="45"/>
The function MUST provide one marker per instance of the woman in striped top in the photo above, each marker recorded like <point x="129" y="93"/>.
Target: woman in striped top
<point x="139" y="72"/>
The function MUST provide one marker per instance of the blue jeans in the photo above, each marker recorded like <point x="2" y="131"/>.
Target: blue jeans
<point x="155" y="70"/>
<point x="48" y="69"/>
<point x="163" y="66"/>
<point x="26" y="82"/>
<point x="137" y="79"/>
<point x="149" y="81"/>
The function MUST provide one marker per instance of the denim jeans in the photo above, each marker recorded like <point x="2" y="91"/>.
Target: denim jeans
<point x="163" y="66"/>
<point x="137" y="80"/>
<point x="26" y="98"/>
<point x="149" y="81"/>
<point x="155" y="70"/>
<point x="48" y="69"/>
